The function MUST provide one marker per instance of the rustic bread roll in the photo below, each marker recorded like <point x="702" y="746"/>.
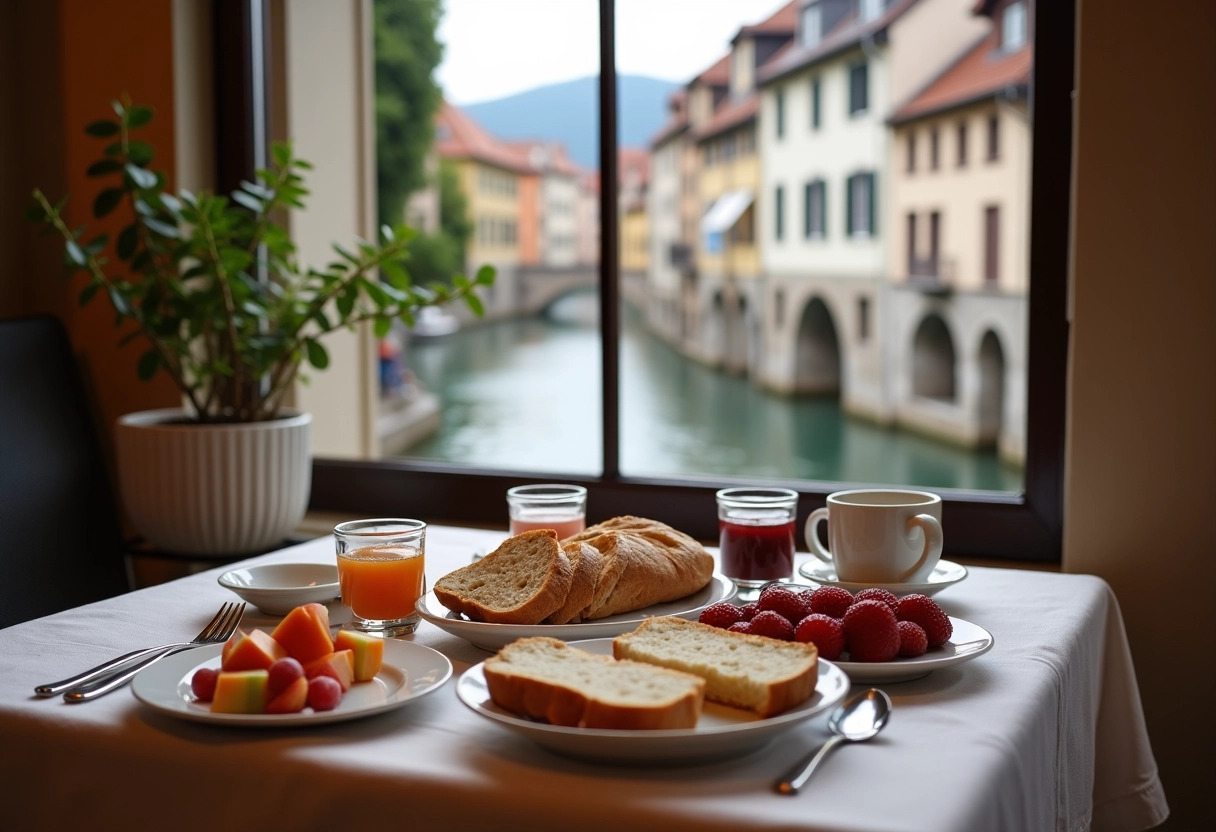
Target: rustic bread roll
<point x="585" y="560"/>
<point x="523" y="581"/>
<point x="644" y="562"/>
<point x="751" y="672"/>
<point x="548" y="679"/>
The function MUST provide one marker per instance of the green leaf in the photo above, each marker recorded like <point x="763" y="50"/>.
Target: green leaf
<point x="117" y="107"/>
<point x="346" y="302"/>
<point x="128" y="241"/>
<point x="139" y="116"/>
<point x="485" y="276"/>
<point x="142" y="177"/>
<point x="107" y="201"/>
<point x="474" y="303"/>
<point x="113" y="149"/>
<point x="395" y="274"/>
<point x="376" y="293"/>
<point x="140" y="153"/>
<point x="97" y="244"/>
<point x="120" y="302"/>
<point x="102" y="128"/>
<point x="172" y="204"/>
<point x="317" y="356"/>
<point x="382" y="326"/>
<point x="281" y="153"/>
<point x="103" y="167"/>
<point x="86" y="294"/>
<point x="76" y="254"/>
<point x="162" y="229"/>
<point x="149" y="363"/>
<point x="248" y="200"/>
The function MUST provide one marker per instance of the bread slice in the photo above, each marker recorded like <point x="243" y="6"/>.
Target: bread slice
<point x="544" y="678"/>
<point x="586" y="562"/>
<point x="751" y="672"/>
<point x="645" y="562"/>
<point x="523" y="581"/>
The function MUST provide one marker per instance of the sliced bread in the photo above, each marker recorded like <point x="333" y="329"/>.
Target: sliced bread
<point x="751" y="672"/>
<point x="523" y="581"/>
<point x="544" y="678"/>
<point x="585" y="561"/>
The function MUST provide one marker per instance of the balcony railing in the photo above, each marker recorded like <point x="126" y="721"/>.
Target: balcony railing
<point x="933" y="276"/>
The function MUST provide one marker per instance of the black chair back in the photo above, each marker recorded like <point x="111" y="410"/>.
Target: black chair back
<point x="60" y="538"/>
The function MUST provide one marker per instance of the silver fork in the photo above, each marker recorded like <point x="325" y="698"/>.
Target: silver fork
<point x="229" y="613"/>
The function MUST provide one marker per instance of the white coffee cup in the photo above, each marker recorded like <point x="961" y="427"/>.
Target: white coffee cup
<point x="879" y="536"/>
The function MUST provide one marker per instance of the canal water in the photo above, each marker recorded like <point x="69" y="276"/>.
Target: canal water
<point x="525" y="395"/>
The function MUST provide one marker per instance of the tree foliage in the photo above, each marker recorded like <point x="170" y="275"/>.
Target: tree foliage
<point x="407" y="98"/>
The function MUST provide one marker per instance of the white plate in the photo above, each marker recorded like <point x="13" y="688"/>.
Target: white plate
<point x="494" y="636"/>
<point x="945" y="574"/>
<point x="410" y="671"/>
<point x="966" y="642"/>
<point x="277" y="588"/>
<point x="720" y="732"/>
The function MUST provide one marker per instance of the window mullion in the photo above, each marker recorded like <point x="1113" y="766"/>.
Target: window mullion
<point x="609" y="253"/>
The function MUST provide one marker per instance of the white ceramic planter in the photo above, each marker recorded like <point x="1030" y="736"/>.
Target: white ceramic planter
<point x="214" y="489"/>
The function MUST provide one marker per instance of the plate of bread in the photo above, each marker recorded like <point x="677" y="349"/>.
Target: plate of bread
<point x="670" y="691"/>
<point x="601" y="582"/>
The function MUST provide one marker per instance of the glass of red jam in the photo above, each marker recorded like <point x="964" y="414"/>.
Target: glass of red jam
<point x="756" y="535"/>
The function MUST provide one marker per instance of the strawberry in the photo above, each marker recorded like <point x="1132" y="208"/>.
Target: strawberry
<point x="831" y="600"/>
<point x="876" y="594"/>
<point x="825" y="632"/>
<point x="923" y="610"/>
<point x="740" y="627"/>
<point x="871" y="632"/>
<point x="721" y="615"/>
<point x="749" y="610"/>
<point x="912" y="639"/>
<point x="786" y="603"/>
<point x="773" y="625"/>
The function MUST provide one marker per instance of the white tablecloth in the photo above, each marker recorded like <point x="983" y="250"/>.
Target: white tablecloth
<point x="1044" y="732"/>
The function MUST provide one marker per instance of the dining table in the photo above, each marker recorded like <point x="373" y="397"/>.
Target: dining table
<point x="1043" y="731"/>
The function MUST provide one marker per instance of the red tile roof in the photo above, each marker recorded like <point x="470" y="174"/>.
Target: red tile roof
<point x="717" y="75"/>
<point x="730" y="114"/>
<point x="981" y="72"/>
<point x="782" y="22"/>
<point x="459" y="137"/>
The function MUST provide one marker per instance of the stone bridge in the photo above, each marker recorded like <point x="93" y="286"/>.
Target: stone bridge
<point x="538" y="286"/>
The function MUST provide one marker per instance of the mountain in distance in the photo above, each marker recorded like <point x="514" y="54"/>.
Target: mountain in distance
<point x="569" y="112"/>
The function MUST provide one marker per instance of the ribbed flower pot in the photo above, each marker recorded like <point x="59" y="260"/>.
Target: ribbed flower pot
<point x="214" y="490"/>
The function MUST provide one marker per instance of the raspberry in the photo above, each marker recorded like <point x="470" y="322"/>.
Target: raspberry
<point x="831" y="600"/>
<point x="773" y="625"/>
<point x="876" y="594"/>
<point x="871" y="632"/>
<point x="923" y="610"/>
<point x="912" y="639"/>
<point x="721" y="615"/>
<point x="740" y="627"/>
<point x="749" y="610"/>
<point x="786" y="603"/>
<point x="825" y="632"/>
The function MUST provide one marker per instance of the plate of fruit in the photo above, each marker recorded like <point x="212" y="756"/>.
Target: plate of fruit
<point x="296" y="674"/>
<point x="872" y="636"/>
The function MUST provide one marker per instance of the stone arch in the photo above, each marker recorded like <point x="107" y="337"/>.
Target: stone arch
<point x="934" y="365"/>
<point x="991" y="400"/>
<point x="816" y="350"/>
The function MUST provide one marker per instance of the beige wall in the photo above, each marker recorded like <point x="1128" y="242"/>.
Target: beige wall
<point x="948" y="25"/>
<point x="1141" y="463"/>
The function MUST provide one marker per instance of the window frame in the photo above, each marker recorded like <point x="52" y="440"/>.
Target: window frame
<point x="856" y="111"/>
<point x="1024" y="526"/>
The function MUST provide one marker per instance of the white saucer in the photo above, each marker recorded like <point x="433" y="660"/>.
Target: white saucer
<point x="967" y="642"/>
<point x="277" y="588"/>
<point x="945" y="574"/>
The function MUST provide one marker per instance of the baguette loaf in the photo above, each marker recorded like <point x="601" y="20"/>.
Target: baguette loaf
<point x="548" y="679"/>
<point x="586" y="562"/>
<point x="523" y="581"/>
<point x="751" y="672"/>
<point x="644" y="562"/>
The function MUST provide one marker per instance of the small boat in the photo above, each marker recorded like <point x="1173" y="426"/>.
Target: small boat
<point x="433" y="322"/>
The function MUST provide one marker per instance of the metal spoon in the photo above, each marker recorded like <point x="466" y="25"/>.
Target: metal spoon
<point x="857" y="720"/>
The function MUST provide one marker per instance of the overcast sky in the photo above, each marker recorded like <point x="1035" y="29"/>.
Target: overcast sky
<point x="498" y="47"/>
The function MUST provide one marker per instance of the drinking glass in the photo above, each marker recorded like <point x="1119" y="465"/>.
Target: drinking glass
<point x="756" y="535"/>
<point x="381" y="574"/>
<point x="562" y="508"/>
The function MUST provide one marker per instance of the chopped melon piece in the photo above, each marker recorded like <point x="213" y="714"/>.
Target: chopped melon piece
<point x="240" y="692"/>
<point x="291" y="700"/>
<point x="255" y="650"/>
<point x="304" y="633"/>
<point x="340" y="666"/>
<point x="368" y="651"/>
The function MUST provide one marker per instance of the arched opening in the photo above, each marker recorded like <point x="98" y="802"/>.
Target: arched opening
<point x="992" y="389"/>
<point x="817" y="351"/>
<point x="933" y="364"/>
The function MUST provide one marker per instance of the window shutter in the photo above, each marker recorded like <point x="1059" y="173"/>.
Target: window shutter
<point x="872" y="200"/>
<point x="823" y="207"/>
<point x="848" y="205"/>
<point x="807" y="196"/>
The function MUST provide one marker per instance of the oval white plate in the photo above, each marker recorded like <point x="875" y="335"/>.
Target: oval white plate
<point x="966" y="643"/>
<point x="720" y="732"/>
<point x="492" y="637"/>
<point x="410" y="671"/>
<point x="277" y="588"/>
<point x="946" y="573"/>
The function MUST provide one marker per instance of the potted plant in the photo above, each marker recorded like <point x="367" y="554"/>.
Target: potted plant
<point x="212" y="284"/>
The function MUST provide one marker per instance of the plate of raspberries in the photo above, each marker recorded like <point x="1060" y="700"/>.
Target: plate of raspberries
<point x="872" y="635"/>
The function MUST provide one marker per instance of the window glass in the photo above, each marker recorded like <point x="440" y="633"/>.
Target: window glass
<point x="1013" y="27"/>
<point x="859" y="88"/>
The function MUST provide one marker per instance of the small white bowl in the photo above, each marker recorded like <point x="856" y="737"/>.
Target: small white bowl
<point x="276" y="588"/>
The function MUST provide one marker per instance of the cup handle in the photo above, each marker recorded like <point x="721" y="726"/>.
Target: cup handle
<point x="812" y="535"/>
<point x="932" y="530"/>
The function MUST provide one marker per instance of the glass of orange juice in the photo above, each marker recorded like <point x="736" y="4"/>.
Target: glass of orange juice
<point x="562" y="508"/>
<point x="380" y="571"/>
